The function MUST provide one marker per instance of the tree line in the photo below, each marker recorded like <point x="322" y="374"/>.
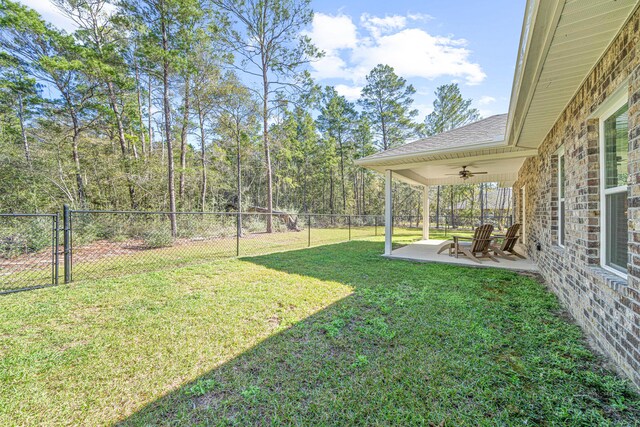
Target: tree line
<point x="194" y="105"/>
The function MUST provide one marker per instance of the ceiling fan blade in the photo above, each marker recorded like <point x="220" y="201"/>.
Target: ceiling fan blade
<point x="451" y="174"/>
<point x="480" y="173"/>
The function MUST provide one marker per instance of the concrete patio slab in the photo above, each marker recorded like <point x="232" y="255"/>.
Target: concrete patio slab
<point x="426" y="251"/>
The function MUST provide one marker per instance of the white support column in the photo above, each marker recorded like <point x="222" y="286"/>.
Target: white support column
<point x="425" y="213"/>
<point x="388" y="213"/>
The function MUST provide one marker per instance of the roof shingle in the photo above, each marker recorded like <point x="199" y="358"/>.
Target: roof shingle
<point x="491" y="129"/>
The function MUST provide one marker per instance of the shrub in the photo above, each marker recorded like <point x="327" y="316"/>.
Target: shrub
<point x="23" y="238"/>
<point x="157" y="238"/>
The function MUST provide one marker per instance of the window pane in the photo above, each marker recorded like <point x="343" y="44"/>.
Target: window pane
<point x="616" y="231"/>
<point x="562" y="222"/>
<point x="616" y="134"/>
<point x="561" y="176"/>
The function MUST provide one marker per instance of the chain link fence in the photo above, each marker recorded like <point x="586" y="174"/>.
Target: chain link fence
<point x="114" y="243"/>
<point x="99" y="243"/>
<point x="28" y="251"/>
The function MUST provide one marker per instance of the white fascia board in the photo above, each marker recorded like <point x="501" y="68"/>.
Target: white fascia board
<point x="552" y="11"/>
<point x="522" y="54"/>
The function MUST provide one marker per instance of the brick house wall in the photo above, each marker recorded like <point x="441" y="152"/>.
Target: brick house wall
<point x="605" y="305"/>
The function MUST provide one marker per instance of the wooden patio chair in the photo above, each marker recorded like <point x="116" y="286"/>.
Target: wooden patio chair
<point x="478" y="246"/>
<point x="507" y="247"/>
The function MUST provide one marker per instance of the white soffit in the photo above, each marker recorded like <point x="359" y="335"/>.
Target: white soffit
<point x="561" y="42"/>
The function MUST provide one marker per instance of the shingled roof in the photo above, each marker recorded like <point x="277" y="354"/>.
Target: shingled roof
<point x="489" y="130"/>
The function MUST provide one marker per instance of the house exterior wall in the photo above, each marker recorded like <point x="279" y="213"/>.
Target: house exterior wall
<point x="605" y="305"/>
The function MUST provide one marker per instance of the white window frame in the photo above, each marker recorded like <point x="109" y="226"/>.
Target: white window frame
<point x="561" y="198"/>
<point x="609" y="107"/>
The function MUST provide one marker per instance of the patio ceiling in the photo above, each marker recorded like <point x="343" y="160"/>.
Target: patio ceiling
<point x="480" y="146"/>
<point x="502" y="167"/>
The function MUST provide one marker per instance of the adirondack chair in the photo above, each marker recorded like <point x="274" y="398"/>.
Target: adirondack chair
<point x="506" y="248"/>
<point x="478" y="246"/>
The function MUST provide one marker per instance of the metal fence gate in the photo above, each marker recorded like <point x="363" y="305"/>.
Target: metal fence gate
<point x="29" y="251"/>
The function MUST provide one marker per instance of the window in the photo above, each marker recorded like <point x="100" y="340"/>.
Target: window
<point x="614" y="139"/>
<point x="561" y="204"/>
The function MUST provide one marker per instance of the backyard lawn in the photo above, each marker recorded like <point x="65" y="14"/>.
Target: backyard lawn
<point x="331" y="335"/>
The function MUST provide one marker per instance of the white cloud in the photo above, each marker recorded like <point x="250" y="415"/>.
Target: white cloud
<point x="352" y="93"/>
<point x="378" y="26"/>
<point x="412" y="52"/>
<point x="330" y="33"/>
<point x="416" y="53"/>
<point x="51" y="13"/>
<point x="419" y="16"/>
<point x="486" y="100"/>
<point x="330" y="66"/>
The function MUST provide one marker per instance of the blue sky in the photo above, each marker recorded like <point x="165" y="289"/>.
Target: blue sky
<point x="429" y="43"/>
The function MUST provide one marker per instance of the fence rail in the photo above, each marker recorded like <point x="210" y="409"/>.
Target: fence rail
<point x="109" y="243"/>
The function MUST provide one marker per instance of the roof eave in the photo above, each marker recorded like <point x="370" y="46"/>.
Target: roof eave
<point x="540" y="17"/>
<point x="410" y="156"/>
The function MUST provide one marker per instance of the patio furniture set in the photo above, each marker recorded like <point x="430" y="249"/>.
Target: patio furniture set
<point x="484" y="244"/>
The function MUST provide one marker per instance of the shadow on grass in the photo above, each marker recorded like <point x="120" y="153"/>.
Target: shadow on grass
<point x="414" y="344"/>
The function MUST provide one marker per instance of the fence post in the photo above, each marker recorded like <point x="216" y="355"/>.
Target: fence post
<point x="238" y="232"/>
<point x="308" y="230"/>
<point x="56" y="258"/>
<point x="349" y="222"/>
<point x="375" y="225"/>
<point x="66" y="219"/>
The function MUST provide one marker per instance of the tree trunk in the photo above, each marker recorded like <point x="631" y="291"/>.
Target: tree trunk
<point x="149" y="118"/>
<point x="344" y="189"/>
<point x="331" y="208"/>
<point x="76" y="162"/>
<point x="139" y="96"/>
<point x="203" y="158"/>
<point x="239" y="178"/>
<point x="267" y="151"/>
<point x="74" y="147"/>
<point x="167" y="128"/>
<point x="123" y="143"/>
<point x="364" y="178"/>
<point x="25" y="141"/>
<point x="183" y="139"/>
<point x="305" y="207"/>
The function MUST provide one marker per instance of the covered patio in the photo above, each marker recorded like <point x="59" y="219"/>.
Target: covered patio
<point x="426" y="250"/>
<point x="471" y="154"/>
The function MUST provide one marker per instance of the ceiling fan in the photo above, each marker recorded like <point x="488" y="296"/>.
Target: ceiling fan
<point x="466" y="174"/>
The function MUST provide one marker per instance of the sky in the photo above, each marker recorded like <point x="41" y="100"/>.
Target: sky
<point x="428" y="42"/>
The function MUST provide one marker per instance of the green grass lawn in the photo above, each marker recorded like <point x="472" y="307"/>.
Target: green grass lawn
<point x="332" y="335"/>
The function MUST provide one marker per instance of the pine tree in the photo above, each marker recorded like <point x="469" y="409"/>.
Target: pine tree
<point x="450" y="111"/>
<point x="386" y="101"/>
